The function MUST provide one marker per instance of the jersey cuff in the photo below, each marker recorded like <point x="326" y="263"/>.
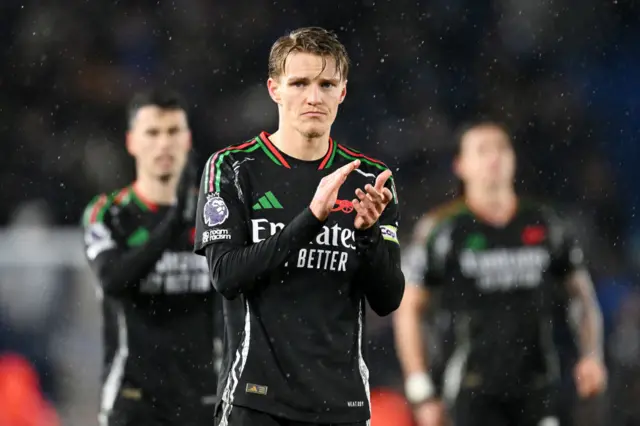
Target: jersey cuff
<point x="308" y="218"/>
<point x="368" y="238"/>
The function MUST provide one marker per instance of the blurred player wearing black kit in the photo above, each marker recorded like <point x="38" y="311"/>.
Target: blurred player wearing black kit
<point x="500" y="262"/>
<point x="299" y="231"/>
<point x="158" y="304"/>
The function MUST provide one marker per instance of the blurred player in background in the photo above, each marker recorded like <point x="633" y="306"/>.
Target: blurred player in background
<point x="499" y="261"/>
<point x="158" y="303"/>
<point x="298" y="231"/>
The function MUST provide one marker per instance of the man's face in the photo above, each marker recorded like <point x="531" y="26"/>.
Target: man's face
<point x="308" y="94"/>
<point x="159" y="140"/>
<point x="486" y="158"/>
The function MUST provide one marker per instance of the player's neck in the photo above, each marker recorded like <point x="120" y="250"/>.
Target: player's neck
<point x="296" y="145"/>
<point x="494" y="206"/>
<point x="156" y="191"/>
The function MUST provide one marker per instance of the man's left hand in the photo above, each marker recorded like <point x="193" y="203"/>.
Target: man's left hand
<point x="590" y="376"/>
<point x="372" y="201"/>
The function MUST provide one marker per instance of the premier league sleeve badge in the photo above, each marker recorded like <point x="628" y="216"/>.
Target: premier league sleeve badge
<point x="215" y="210"/>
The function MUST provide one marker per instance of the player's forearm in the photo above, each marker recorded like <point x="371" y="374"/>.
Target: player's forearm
<point x="591" y="336"/>
<point x="419" y="386"/>
<point x="381" y="274"/>
<point x="410" y="341"/>
<point x="589" y="330"/>
<point x="120" y="269"/>
<point x="235" y="270"/>
<point x="588" y="326"/>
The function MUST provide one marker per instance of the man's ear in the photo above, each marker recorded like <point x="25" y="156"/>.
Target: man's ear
<point x="457" y="167"/>
<point x="343" y="93"/>
<point x="131" y="146"/>
<point x="273" y="86"/>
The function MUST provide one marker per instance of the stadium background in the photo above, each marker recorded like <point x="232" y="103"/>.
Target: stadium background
<point x="562" y="74"/>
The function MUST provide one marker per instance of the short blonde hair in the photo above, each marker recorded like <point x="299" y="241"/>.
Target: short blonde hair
<point x="314" y="40"/>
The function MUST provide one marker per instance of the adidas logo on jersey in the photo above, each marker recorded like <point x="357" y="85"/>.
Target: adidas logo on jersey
<point x="267" y="201"/>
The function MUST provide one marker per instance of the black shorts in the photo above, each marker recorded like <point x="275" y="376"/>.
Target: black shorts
<point x="129" y="412"/>
<point x="242" y="416"/>
<point x="476" y="408"/>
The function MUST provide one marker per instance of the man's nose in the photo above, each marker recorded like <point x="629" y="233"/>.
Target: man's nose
<point x="164" y="140"/>
<point x="313" y="95"/>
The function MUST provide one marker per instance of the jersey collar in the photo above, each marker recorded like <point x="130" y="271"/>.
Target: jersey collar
<point x="279" y="159"/>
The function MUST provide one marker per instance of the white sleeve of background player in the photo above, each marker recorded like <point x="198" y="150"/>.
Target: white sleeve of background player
<point x="414" y="259"/>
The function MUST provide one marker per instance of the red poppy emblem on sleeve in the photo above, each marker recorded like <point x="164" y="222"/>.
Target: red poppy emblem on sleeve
<point x="533" y="234"/>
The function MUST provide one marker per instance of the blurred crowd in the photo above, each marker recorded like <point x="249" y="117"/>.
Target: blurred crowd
<point x="561" y="74"/>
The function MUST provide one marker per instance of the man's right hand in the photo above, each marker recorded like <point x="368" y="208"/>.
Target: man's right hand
<point x="327" y="192"/>
<point x="430" y="413"/>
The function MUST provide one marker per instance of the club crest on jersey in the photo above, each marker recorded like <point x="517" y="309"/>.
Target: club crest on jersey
<point x="533" y="234"/>
<point x="344" y="206"/>
<point x="215" y="210"/>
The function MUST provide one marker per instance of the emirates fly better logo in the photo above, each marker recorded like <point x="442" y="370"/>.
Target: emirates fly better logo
<point x="506" y="268"/>
<point x="329" y="250"/>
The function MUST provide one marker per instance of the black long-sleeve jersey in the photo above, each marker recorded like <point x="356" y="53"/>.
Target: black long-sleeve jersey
<point x="500" y="286"/>
<point x="159" y="308"/>
<point x="294" y="287"/>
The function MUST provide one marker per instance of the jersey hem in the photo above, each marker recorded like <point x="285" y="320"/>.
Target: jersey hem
<point x="284" y="411"/>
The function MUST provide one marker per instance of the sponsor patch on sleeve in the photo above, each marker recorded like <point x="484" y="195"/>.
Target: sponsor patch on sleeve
<point x="97" y="238"/>
<point x="214" y="235"/>
<point x="390" y="233"/>
<point x="215" y="210"/>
